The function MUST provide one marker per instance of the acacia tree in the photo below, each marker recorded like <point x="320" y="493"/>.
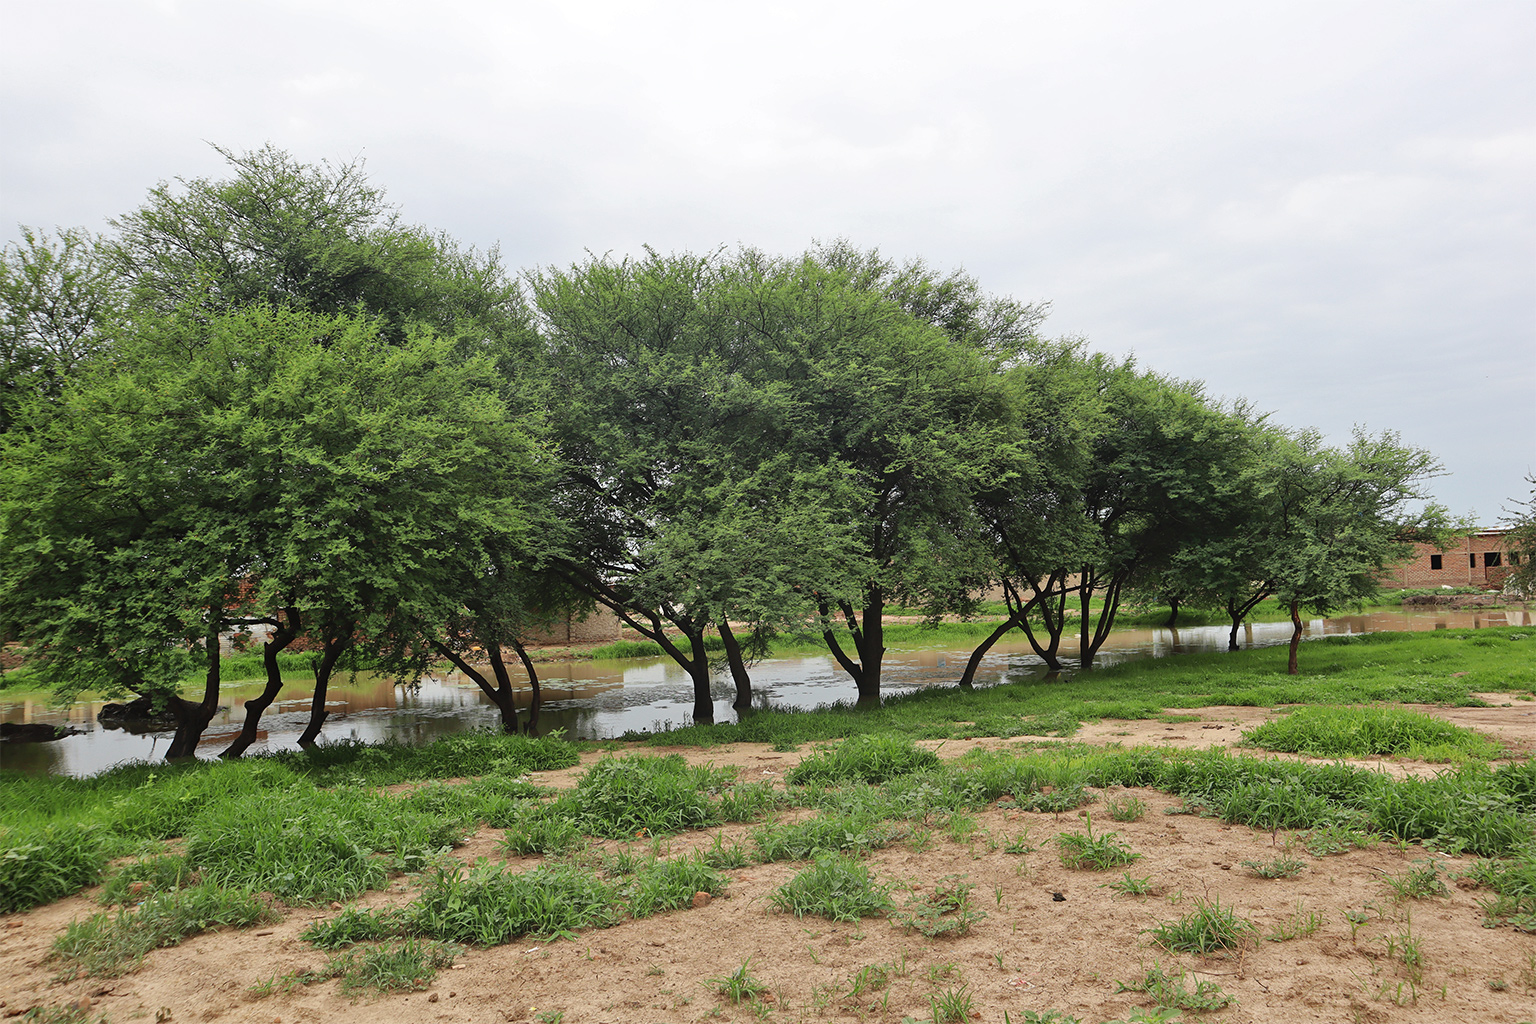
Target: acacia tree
<point x="890" y="374"/>
<point x="1343" y="516"/>
<point x="262" y="459"/>
<point x="58" y="301"/>
<point x="1521" y="540"/>
<point x="676" y="490"/>
<point x="1034" y="519"/>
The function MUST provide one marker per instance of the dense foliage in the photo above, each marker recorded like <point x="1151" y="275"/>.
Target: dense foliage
<point x="267" y="402"/>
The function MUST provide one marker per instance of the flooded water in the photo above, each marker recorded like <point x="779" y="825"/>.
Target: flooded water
<point x="600" y="700"/>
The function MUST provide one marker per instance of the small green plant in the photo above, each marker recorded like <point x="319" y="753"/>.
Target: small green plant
<point x="1169" y="990"/>
<point x="1125" y="808"/>
<point x="739" y="986"/>
<point x="951" y="1005"/>
<point x="405" y="966"/>
<point x="1420" y="883"/>
<point x="718" y="855"/>
<point x="1404" y="948"/>
<point x="1042" y="1017"/>
<point x="836" y="887"/>
<point x="868" y="979"/>
<point x="550" y="1016"/>
<point x="1018" y="844"/>
<point x="1279" y="867"/>
<point x="1128" y="886"/>
<point x="947" y="910"/>
<point x="1210" y="928"/>
<point x="1332" y="838"/>
<point x="1299" y="925"/>
<point x="352" y="926"/>
<point x="1094" y="853"/>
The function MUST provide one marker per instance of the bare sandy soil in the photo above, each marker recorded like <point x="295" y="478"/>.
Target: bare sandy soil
<point x="1033" y="951"/>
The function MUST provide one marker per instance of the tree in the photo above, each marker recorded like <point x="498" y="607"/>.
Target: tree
<point x="1521" y="541"/>
<point x="1342" y="516"/>
<point x="670" y="428"/>
<point x="58" y="300"/>
<point x="892" y="375"/>
<point x="262" y="459"/>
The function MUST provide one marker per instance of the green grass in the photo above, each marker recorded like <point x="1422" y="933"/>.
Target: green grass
<point x="407" y="966"/>
<point x="1169" y="990"/>
<point x="1370" y="732"/>
<point x="870" y="758"/>
<point x="836" y="887"/>
<point x="1441" y="667"/>
<point x="1210" y="928"/>
<point x="107" y="945"/>
<point x="1088" y="852"/>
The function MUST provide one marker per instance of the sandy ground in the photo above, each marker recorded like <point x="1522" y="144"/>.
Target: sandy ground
<point x="1032" y="951"/>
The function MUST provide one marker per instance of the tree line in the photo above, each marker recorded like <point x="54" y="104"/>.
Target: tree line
<point x="266" y="400"/>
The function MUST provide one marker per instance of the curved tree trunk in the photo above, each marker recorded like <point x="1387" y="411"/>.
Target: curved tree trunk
<point x="508" y="717"/>
<point x="968" y="679"/>
<point x="281" y="637"/>
<point x="1291" y="667"/>
<point x="1173" y="612"/>
<point x="868" y="643"/>
<point x="533" y="683"/>
<point x="738" y="667"/>
<point x="334" y="646"/>
<point x="192" y="719"/>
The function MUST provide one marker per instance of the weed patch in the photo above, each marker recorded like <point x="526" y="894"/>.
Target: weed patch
<point x="107" y="945"/>
<point x="1211" y="928"/>
<point x="838" y="888"/>
<point x="1371" y="732"/>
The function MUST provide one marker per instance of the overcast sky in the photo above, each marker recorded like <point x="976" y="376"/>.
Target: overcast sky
<point x="1327" y="208"/>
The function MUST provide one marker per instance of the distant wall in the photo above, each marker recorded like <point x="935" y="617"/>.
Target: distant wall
<point x="1480" y="560"/>
<point x="600" y="626"/>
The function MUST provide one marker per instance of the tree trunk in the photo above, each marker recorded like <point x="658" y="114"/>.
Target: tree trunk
<point x="1237" y="620"/>
<point x="1291" y="668"/>
<point x="738" y="667"/>
<point x="281" y="637"/>
<point x="192" y="719"/>
<point x="1085" y="648"/>
<point x="1173" y="612"/>
<point x="871" y="646"/>
<point x="698" y="668"/>
<point x="967" y="681"/>
<point x="533" y="683"/>
<point x="1054" y="618"/>
<point x="508" y="715"/>
<point x="334" y="646"/>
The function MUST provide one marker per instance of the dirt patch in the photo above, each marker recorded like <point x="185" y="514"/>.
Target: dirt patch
<point x="1032" y="951"/>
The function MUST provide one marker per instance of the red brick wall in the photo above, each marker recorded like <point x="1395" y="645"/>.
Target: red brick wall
<point x="1463" y="564"/>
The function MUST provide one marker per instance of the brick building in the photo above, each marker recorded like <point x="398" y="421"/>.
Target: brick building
<point x="1479" y="560"/>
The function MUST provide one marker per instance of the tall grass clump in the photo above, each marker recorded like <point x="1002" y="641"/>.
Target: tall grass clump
<point x="490" y="906"/>
<point x="619" y="798"/>
<point x="108" y="945"/>
<point x="869" y="758"/>
<point x="40" y="863"/>
<point x="1370" y="732"/>
<point x="670" y="884"/>
<point x="836" y="887"/>
<point x="309" y="846"/>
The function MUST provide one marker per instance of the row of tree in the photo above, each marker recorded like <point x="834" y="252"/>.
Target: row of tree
<point x="266" y="401"/>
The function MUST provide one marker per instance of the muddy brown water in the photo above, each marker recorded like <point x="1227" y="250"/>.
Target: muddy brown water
<point x="604" y="699"/>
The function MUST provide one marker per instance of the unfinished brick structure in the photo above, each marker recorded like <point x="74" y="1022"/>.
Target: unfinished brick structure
<point x="1479" y="560"/>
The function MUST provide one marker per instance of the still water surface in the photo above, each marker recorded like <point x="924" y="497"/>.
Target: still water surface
<point x="604" y="699"/>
